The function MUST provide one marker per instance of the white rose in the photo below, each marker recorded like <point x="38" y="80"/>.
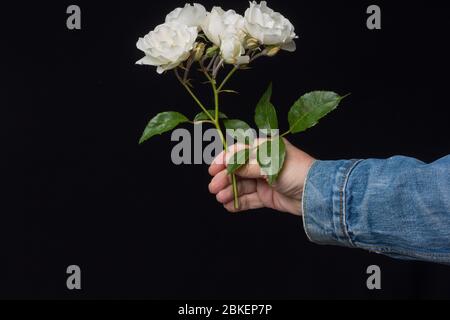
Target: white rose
<point x="226" y="29"/>
<point x="167" y="46"/>
<point x="232" y="50"/>
<point x="190" y="15"/>
<point x="269" y="27"/>
<point x="219" y="24"/>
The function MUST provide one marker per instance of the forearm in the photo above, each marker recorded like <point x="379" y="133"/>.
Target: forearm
<point x="399" y="206"/>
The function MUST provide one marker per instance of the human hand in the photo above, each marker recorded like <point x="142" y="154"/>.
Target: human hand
<point x="254" y="191"/>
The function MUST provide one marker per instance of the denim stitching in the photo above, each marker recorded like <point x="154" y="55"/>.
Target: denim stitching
<point x="342" y="209"/>
<point x="405" y="252"/>
<point x="305" y="185"/>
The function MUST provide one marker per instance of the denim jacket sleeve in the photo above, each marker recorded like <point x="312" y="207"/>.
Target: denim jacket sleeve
<point x="399" y="207"/>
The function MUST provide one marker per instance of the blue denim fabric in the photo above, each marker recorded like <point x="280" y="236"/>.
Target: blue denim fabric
<point x="399" y="207"/>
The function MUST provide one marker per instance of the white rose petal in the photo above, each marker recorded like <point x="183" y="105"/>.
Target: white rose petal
<point x="167" y="46"/>
<point x="190" y="15"/>
<point x="226" y="29"/>
<point x="219" y="24"/>
<point x="269" y="27"/>
<point x="213" y="25"/>
<point x="234" y="24"/>
<point x="232" y="50"/>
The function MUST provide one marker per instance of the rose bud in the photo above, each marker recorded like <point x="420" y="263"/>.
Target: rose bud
<point x="199" y="50"/>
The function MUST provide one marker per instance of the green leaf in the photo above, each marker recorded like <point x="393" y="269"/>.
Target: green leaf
<point x="238" y="160"/>
<point x="265" y="113"/>
<point x="236" y="124"/>
<point x="240" y="131"/>
<point x="310" y="108"/>
<point x="163" y="122"/>
<point x="229" y="91"/>
<point x="204" y="117"/>
<point x="271" y="156"/>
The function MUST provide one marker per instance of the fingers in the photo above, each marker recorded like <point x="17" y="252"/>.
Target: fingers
<point x="246" y="202"/>
<point x="221" y="161"/>
<point x="251" y="170"/>
<point x="218" y="165"/>
<point x="219" y="182"/>
<point x="248" y="197"/>
<point x="244" y="187"/>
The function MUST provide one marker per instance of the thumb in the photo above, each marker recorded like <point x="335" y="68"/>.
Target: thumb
<point x="250" y="171"/>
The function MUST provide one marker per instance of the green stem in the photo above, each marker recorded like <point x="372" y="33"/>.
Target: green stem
<point x="233" y="176"/>
<point x="235" y="191"/>
<point x="224" y="142"/>
<point x="215" y="91"/>
<point x="285" y="134"/>
<point x="222" y="138"/>
<point x="215" y="120"/>
<point x="230" y="74"/>
<point x="216" y="100"/>
<point x="194" y="96"/>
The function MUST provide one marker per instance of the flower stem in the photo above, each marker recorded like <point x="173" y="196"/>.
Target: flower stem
<point x="230" y="74"/>
<point x="259" y="55"/>
<point x="216" y="100"/>
<point x="225" y="146"/>
<point x="233" y="176"/>
<point x="235" y="191"/>
<point x="188" y="68"/>
<point x="214" y="120"/>
<point x="211" y="63"/>
<point x="193" y="96"/>
<point x="219" y="130"/>
<point x="217" y="65"/>
<point x="285" y="134"/>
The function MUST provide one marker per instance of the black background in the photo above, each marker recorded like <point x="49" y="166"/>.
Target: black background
<point x="77" y="188"/>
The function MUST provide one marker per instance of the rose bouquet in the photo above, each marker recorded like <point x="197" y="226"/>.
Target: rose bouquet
<point x="192" y="38"/>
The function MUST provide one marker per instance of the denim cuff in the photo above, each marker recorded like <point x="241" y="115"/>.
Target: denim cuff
<point x="324" y="202"/>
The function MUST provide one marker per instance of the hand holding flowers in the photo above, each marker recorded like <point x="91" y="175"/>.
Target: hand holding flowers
<point x="214" y="39"/>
